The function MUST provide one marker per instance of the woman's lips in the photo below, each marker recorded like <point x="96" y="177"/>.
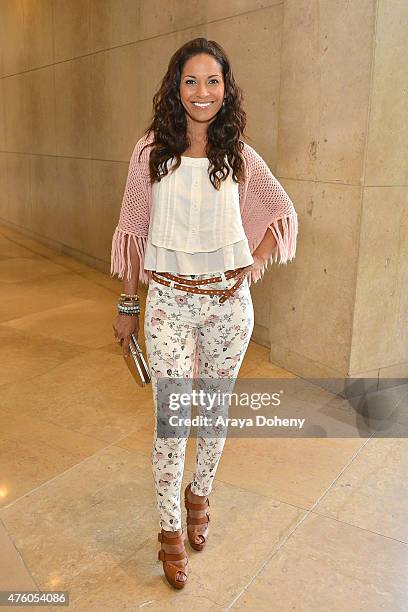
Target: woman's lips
<point x="202" y="104"/>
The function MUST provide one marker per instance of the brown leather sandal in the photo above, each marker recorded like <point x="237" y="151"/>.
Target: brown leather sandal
<point x="196" y="521"/>
<point x="172" y="571"/>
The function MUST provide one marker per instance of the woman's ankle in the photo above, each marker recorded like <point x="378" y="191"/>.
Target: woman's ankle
<point x="172" y="533"/>
<point x="196" y="497"/>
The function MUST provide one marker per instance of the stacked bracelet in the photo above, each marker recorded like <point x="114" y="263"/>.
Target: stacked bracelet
<point x="128" y="304"/>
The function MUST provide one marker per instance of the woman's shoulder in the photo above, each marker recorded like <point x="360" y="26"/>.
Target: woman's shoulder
<point x="141" y="150"/>
<point x="250" y="154"/>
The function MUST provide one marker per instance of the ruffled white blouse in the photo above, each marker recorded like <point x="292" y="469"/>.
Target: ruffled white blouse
<point x="195" y="228"/>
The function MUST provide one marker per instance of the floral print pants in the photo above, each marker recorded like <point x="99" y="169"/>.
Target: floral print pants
<point x="176" y="325"/>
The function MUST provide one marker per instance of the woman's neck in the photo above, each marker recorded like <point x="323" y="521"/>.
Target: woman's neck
<point x="197" y="133"/>
<point x="197" y="140"/>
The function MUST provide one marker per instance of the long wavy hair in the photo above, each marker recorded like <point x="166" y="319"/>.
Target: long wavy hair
<point x="169" y="122"/>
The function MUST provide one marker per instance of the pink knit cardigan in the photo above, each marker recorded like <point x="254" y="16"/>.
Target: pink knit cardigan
<point x="263" y="202"/>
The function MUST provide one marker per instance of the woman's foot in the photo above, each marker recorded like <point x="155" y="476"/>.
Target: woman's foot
<point x="197" y="518"/>
<point x="174" y="557"/>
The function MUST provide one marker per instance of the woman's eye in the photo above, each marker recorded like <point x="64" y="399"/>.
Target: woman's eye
<point x="192" y="81"/>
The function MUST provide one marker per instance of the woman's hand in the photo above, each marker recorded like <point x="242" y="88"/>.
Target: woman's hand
<point x="257" y="265"/>
<point x="123" y="327"/>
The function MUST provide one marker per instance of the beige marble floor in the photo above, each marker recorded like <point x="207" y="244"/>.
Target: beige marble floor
<point x="313" y="524"/>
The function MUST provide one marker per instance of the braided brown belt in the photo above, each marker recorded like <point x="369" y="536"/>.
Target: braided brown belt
<point x="224" y="293"/>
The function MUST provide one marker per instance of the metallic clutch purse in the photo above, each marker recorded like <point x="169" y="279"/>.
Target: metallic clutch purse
<point x="137" y="363"/>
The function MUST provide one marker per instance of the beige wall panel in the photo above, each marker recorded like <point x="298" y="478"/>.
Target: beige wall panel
<point x="73" y="197"/>
<point x="38" y="32"/>
<point x="29" y="106"/>
<point x="2" y="117"/>
<point x="326" y="71"/>
<point x="2" y="51"/>
<point x="159" y="17"/>
<point x="3" y="186"/>
<point x="400" y="370"/>
<point x="17" y="104"/>
<point x="18" y="186"/>
<point x="12" y="37"/>
<point x="73" y="95"/>
<point x="71" y="28"/>
<point x="380" y="327"/>
<point x="87" y="26"/>
<point x="26" y="35"/>
<point x="41" y="111"/>
<point x="114" y="22"/>
<point x="387" y="149"/>
<point x="44" y="186"/>
<point x="214" y="9"/>
<point x="116" y="78"/>
<point x="312" y="296"/>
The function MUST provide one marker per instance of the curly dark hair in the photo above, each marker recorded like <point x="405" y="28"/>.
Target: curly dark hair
<point x="169" y="123"/>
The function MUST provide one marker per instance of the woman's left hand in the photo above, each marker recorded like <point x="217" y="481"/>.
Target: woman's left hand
<point x="255" y="267"/>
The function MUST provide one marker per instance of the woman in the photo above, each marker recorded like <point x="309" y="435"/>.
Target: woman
<point x="195" y="216"/>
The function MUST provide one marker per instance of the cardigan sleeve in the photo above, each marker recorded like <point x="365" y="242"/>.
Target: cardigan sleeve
<point x="134" y="215"/>
<point x="269" y="206"/>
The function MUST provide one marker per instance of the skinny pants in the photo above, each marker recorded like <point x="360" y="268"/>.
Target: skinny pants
<point x="176" y="325"/>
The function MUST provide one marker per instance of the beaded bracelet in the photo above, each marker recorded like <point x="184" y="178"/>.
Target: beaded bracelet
<point x="130" y="313"/>
<point x="124" y="308"/>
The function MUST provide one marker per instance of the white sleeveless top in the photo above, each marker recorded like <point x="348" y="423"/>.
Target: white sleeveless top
<point x="195" y="228"/>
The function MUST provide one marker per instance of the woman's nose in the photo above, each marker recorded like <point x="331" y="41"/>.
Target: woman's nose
<point x="202" y="91"/>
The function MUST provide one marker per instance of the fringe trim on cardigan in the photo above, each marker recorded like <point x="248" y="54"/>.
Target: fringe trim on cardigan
<point x="120" y="254"/>
<point x="285" y="247"/>
<point x="284" y="251"/>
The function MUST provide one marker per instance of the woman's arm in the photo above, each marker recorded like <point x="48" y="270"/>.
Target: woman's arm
<point x="125" y="325"/>
<point x="130" y="284"/>
<point x="265" y="253"/>
<point x="134" y="218"/>
<point x="268" y="244"/>
<point x="268" y="206"/>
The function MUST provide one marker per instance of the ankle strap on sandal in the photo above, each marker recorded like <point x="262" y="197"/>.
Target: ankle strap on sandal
<point x="191" y="506"/>
<point x="199" y="520"/>
<point x="178" y="539"/>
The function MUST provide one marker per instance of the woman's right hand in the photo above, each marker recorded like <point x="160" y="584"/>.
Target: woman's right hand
<point x="123" y="327"/>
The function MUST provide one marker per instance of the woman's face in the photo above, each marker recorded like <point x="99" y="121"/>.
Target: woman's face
<point x="202" y="82"/>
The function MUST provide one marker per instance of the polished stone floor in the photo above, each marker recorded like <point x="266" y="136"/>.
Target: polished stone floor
<point x="297" y="524"/>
